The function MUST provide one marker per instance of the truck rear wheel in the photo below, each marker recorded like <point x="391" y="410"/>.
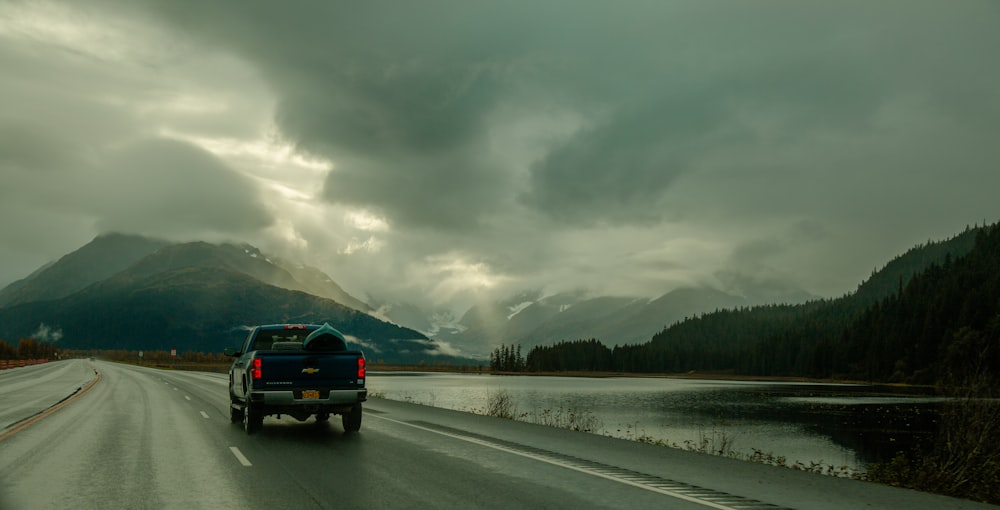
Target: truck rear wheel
<point x="253" y="420"/>
<point x="352" y="419"/>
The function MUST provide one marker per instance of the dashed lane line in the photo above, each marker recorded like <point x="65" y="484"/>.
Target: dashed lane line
<point x="240" y="457"/>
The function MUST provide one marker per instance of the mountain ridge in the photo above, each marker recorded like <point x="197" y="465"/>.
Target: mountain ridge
<point x="917" y="321"/>
<point x="80" y="268"/>
<point x="528" y="319"/>
<point x="196" y="296"/>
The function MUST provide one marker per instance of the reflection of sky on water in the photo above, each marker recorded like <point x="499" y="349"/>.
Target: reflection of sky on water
<point x="864" y="400"/>
<point x="839" y="425"/>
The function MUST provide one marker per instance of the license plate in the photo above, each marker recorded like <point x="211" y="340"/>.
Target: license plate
<point x="310" y="393"/>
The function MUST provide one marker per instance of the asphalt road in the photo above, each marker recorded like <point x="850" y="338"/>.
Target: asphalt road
<point x="147" y="438"/>
<point x="29" y="390"/>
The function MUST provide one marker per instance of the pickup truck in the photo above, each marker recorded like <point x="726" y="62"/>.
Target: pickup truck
<point x="299" y="370"/>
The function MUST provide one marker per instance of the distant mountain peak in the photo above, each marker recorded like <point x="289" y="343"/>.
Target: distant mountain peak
<point x="104" y="256"/>
<point x="129" y="292"/>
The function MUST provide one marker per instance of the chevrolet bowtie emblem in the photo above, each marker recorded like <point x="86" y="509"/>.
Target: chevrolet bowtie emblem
<point x="310" y="370"/>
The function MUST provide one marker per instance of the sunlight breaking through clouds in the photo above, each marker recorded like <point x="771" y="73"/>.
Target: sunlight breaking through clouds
<point x="364" y="220"/>
<point x="516" y="147"/>
<point x="456" y="274"/>
<point x="266" y="152"/>
<point x="370" y="245"/>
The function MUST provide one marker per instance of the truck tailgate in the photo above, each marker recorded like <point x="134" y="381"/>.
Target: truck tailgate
<point x="303" y="370"/>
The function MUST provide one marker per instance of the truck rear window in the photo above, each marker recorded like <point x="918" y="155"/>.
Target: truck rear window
<point x="279" y="340"/>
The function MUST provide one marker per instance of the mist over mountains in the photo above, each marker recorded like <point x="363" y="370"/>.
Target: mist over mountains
<point x="532" y="319"/>
<point x="130" y="292"/>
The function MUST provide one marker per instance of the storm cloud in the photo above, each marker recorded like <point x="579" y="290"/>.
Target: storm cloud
<point x="453" y="151"/>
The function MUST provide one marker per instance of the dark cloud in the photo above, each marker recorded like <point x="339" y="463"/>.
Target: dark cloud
<point x="440" y="193"/>
<point x="757" y="147"/>
<point x="402" y="97"/>
<point x="617" y="172"/>
<point x="170" y="188"/>
<point x="26" y="149"/>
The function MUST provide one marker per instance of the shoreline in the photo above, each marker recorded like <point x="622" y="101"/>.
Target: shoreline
<point x="718" y="376"/>
<point x="704" y="376"/>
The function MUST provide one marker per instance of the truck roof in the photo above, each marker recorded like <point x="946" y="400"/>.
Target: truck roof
<point x="308" y="327"/>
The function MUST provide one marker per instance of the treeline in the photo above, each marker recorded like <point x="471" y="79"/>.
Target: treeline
<point x="940" y="318"/>
<point x="507" y="359"/>
<point x="587" y="355"/>
<point x="154" y="357"/>
<point x="27" y="348"/>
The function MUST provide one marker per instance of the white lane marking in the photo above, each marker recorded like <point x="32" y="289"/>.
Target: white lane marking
<point x="204" y="415"/>
<point x="187" y="397"/>
<point x="240" y="457"/>
<point x="175" y="388"/>
<point x="555" y="462"/>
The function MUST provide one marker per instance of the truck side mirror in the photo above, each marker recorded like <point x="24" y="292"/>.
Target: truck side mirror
<point x="229" y="351"/>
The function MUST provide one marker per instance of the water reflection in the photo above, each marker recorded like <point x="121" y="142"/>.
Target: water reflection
<point x="834" y="424"/>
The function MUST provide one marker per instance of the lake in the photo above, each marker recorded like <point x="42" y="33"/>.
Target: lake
<point x="841" y="425"/>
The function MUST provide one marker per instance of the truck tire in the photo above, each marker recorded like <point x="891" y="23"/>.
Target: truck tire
<point x="352" y="419"/>
<point x="235" y="413"/>
<point x="253" y="420"/>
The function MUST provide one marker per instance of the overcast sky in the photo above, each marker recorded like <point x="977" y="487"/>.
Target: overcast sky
<point x="447" y="151"/>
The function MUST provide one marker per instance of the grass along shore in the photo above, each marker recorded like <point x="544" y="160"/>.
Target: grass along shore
<point x="963" y="462"/>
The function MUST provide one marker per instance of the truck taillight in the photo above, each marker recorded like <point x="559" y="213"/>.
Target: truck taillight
<point x="255" y="370"/>
<point x="361" y="368"/>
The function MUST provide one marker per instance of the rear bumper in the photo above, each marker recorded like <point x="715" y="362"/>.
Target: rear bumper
<point x="287" y="398"/>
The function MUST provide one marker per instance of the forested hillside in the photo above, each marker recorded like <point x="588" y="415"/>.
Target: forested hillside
<point x="919" y="319"/>
<point x="944" y="325"/>
<point x="195" y="297"/>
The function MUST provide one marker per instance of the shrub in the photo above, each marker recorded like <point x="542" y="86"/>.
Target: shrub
<point x="500" y="404"/>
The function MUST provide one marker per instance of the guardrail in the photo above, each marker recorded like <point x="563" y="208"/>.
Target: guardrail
<point x="15" y="363"/>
